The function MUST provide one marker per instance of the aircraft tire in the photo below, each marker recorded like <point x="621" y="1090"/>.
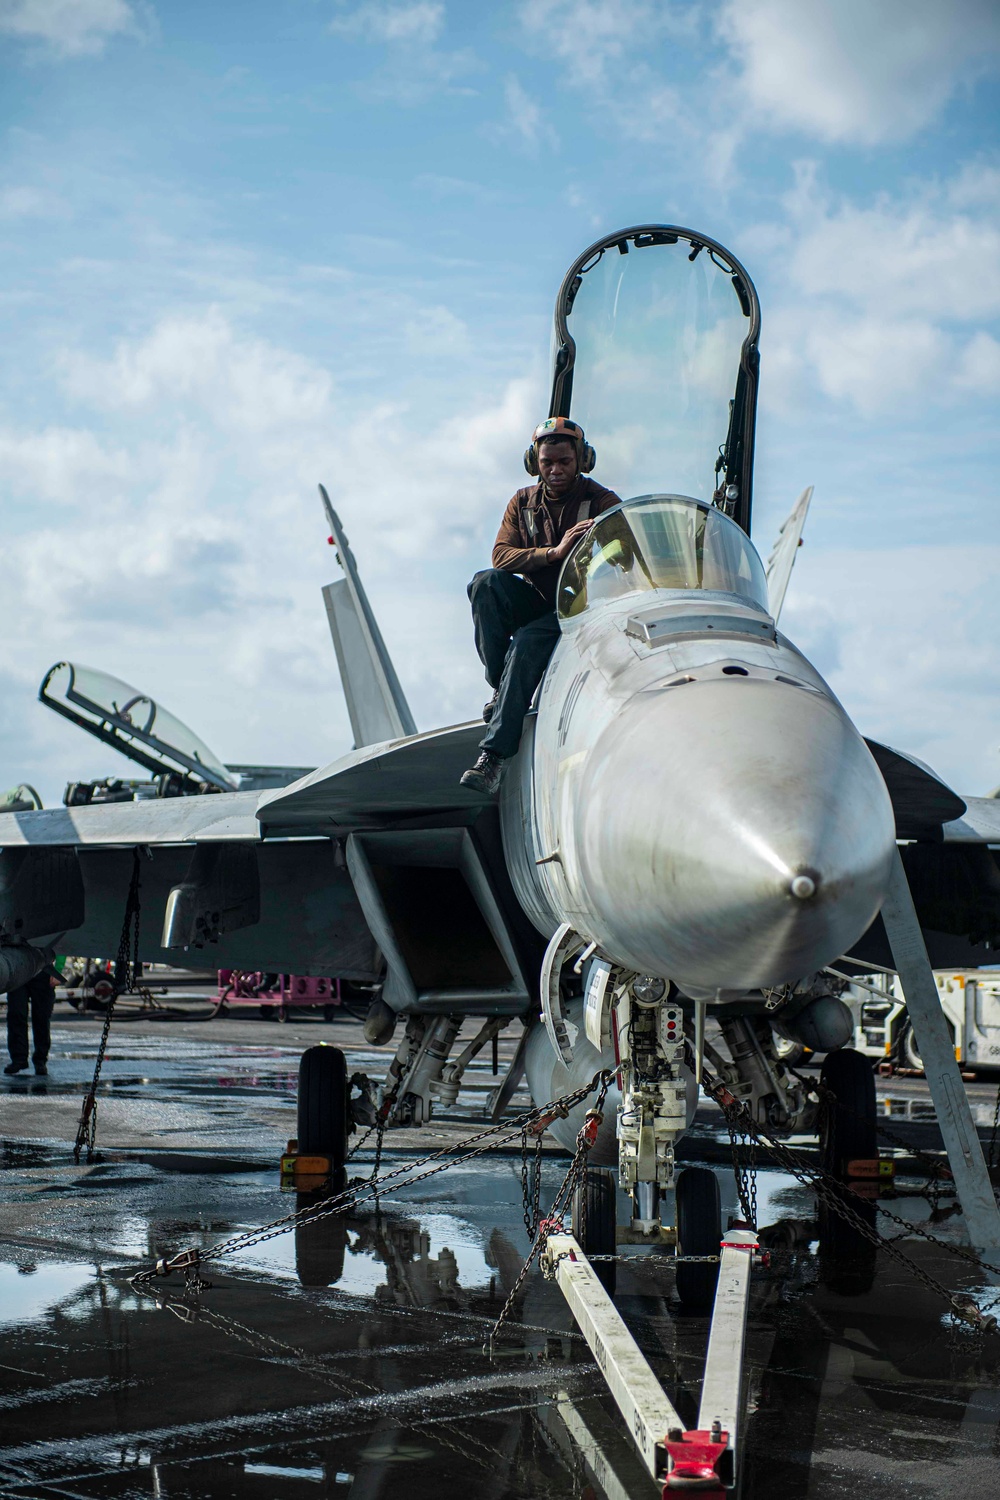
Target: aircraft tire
<point x="699" y="1232"/>
<point x="322" y="1104"/>
<point x="595" y="1220"/>
<point x="848" y="1130"/>
<point x="909" y="1050"/>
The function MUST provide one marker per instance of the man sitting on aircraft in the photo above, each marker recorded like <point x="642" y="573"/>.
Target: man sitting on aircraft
<point x="515" y="618"/>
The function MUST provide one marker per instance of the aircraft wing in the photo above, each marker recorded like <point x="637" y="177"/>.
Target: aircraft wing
<point x="922" y="802"/>
<point x="412" y="777"/>
<point x="265" y="865"/>
<point x="168" y="820"/>
<point x="979" y="824"/>
<point x="782" y="558"/>
<point x="286" y="905"/>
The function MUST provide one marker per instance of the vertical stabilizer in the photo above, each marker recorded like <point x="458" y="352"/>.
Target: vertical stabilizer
<point x="375" y="700"/>
<point x="782" y="559"/>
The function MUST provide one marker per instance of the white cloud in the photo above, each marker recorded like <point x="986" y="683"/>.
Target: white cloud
<point x="601" y="47"/>
<point x="525" y="123"/>
<point x="875" y="363"/>
<point x="856" y="71"/>
<point x="188" y="552"/>
<point x="902" y="257"/>
<point x="591" y="36"/>
<point x="908" y="641"/>
<point x="68" y="28"/>
<point x="435" y="332"/>
<point x="440" y="188"/>
<point x="979" y="364"/>
<point x="415" y="66"/>
<point x="243" y="383"/>
<point x="59" y="464"/>
<point x="882" y="302"/>
<point x="24" y="202"/>
<point x="379" y="21"/>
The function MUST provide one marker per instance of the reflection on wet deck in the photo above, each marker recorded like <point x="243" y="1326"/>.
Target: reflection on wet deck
<point x="345" y="1355"/>
<point x="345" y="1358"/>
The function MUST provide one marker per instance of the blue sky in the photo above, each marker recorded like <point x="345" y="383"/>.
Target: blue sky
<point x="248" y="248"/>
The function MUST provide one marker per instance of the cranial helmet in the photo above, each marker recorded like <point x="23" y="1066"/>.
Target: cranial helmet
<point x="560" y="427"/>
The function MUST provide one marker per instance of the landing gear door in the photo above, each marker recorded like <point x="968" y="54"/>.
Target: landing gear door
<point x="597" y="1005"/>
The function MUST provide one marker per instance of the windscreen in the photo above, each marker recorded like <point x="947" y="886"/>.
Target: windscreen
<point x="660" y="542"/>
<point x="659" y="333"/>
<point x="96" y="699"/>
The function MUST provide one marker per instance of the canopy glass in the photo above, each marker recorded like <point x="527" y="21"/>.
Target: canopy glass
<point x="656" y="359"/>
<point x="660" y="542"/>
<point x="132" y="723"/>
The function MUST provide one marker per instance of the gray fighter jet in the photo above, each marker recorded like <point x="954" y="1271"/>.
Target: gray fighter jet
<point x="692" y="827"/>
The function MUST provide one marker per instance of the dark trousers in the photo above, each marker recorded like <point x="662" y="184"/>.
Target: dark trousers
<point x="516" y="633"/>
<point x="37" y="995"/>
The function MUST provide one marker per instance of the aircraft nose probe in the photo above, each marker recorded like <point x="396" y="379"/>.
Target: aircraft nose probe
<point x="803" y="887"/>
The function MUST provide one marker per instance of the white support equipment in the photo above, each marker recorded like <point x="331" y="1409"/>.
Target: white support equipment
<point x="722" y="1382"/>
<point x="937" y="1053"/>
<point x="704" y="1458"/>
<point x="639" y="1395"/>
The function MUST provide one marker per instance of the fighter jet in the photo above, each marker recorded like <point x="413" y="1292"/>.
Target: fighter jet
<point x="692" y="827"/>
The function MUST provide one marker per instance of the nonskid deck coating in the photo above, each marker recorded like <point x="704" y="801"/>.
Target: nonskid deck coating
<point x="346" y="1358"/>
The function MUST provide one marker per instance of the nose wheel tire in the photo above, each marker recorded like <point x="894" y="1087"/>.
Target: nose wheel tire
<point x="848" y="1130"/>
<point x="323" y="1104"/>
<point x="594" y="1222"/>
<point x="699" y="1232"/>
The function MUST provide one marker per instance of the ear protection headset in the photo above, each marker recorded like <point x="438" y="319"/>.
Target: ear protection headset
<point x="560" y="427"/>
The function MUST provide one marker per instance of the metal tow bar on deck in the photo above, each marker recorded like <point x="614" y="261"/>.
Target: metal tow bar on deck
<point x="702" y="1458"/>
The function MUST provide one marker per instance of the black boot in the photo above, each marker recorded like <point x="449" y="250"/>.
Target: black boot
<point x="488" y="709"/>
<point x="485" y="774"/>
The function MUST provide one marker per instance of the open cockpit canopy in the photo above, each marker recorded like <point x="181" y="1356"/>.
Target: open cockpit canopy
<point x="134" y="724"/>
<point x="660" y="542"/>
<point x="656" y="333"/>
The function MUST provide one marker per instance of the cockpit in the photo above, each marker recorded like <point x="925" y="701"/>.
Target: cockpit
<point x="660" y="542"/>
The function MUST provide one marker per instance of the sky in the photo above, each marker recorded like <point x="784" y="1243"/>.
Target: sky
<point x="250" y="248"/>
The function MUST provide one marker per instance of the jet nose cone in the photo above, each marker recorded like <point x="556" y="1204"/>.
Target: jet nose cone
<point x="733" y="833"/>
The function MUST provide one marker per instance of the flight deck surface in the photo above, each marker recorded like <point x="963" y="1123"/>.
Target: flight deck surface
<point x="346" y="1359"/>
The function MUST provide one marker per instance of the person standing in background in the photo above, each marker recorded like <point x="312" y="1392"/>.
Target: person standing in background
<point x="37" y="997"/>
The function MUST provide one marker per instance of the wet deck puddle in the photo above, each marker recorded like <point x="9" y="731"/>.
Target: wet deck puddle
<point x="346" y="1358"/>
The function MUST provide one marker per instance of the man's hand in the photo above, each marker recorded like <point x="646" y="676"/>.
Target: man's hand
<point x="574" y="534"/>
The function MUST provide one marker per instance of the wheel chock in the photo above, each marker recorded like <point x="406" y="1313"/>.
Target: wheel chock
<point x="693" y="1459"/>
<point x="304" y="1173"/>
<point x="877" y="1169"/>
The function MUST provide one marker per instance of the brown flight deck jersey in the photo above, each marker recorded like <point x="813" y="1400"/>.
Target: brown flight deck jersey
<point x="534" y="521"/>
